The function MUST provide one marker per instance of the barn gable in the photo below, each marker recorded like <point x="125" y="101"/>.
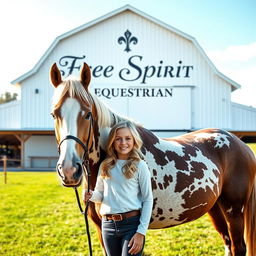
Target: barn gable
<point x="111" y="15"/>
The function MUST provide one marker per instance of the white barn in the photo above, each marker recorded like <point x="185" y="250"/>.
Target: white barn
<point x="142" y="68"/>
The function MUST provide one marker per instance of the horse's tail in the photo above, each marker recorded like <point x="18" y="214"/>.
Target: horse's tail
<point x="250" y="223"/>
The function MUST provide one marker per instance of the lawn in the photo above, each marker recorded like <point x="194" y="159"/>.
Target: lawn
<point x="252" y="146"/>
<point x="40" y="217"/>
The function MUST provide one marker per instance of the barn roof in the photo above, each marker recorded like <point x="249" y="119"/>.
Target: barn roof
<point x="109" y="15"/>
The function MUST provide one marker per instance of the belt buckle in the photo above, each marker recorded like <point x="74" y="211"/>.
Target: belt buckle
<point x="117" y="217"/>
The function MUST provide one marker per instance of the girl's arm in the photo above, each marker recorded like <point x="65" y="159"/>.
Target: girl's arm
<point x="146" y="197"/>
<point x="95" y="196"/>
<point x="136" y="243"/>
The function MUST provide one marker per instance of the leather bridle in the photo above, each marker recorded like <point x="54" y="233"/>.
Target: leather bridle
<point x="84" y="146"/>
<point x="86" y="168"/>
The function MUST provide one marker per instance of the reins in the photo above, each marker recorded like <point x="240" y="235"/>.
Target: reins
<point x="85" y="212"/>
<point x="86" y="168"/>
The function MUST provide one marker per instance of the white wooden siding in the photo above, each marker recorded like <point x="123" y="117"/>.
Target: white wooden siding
<point x="36" y="108"/>
<point x="10" y="115"/>
<point x="243" y="117"/>
<point x="43" y="146"/>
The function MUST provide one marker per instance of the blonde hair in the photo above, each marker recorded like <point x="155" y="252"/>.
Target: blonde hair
<point x="130" y="167"/>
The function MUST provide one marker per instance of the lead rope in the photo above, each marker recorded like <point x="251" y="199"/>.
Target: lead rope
<point x="85" y="212"/>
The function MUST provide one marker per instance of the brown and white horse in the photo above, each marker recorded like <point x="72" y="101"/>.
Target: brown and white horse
<point x="207" y="171"/>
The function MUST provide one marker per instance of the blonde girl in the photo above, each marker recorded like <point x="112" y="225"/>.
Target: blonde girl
<point x="124" y="190"/>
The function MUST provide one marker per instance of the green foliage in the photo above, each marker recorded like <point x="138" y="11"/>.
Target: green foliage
<point x="7" y="97"/>
<point x="39" y="217"/>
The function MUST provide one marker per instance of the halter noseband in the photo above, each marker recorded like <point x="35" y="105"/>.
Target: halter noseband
<point x="84" y="146"/>
<point x="71" y="137"/>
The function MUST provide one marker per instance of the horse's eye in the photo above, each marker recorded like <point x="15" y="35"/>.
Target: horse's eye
<point x="54" y="117"/>
<point x="88" y="116"/>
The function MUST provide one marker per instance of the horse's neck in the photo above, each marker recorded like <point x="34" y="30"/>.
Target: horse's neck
<point x="99" y="145"/>
<point x="104" y="131"/>
<point x="101" y="136"/>
<point x="149" y="139"/>
<point x="97" y="153"/>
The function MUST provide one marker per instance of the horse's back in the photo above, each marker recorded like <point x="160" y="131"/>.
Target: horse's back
<point x="215" y="141"/>
<point x="202" y="136"/>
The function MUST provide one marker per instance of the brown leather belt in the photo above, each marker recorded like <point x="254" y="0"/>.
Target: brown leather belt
<point x="121" y="216"/>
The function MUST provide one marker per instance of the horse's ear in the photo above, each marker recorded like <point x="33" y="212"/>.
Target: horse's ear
<point x="55" y="75"/>
<point x="85" y="75"/>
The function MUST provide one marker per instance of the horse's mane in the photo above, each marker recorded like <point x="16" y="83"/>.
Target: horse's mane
<point x="73" y="88"/>
<point x="106" y="116"/>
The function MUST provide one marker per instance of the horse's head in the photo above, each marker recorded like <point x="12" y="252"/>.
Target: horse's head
<point x="73" y="113"/>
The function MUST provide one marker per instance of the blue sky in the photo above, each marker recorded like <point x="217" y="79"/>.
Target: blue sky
<point x="225" y="29"/>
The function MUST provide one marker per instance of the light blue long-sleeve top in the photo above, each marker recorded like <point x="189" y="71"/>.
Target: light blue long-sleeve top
<point x="118" y="194"/>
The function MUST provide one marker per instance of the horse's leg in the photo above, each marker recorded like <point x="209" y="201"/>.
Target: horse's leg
<point x="220" y="224"/>
<point x="235" y="219"/>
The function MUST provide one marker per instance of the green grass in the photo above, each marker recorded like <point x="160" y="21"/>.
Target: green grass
<point x="252" y="146"/>
<point x="40" y="217"/>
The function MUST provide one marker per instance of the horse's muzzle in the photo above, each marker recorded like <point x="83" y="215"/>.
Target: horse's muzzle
<point x="71" y="176"/>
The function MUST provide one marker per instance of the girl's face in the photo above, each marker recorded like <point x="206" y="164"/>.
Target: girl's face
<point x="123" y="143"/>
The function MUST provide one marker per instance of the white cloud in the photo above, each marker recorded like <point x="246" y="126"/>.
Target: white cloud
<point x="238" y="62"/>
<point x="241" y="53"/>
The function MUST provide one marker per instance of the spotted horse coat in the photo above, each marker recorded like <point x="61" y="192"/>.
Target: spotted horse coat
<point x="183" y="175"/>
<point x="207" y="171"/>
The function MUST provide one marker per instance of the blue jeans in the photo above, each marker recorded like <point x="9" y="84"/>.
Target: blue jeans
<point x="117" y="234"/>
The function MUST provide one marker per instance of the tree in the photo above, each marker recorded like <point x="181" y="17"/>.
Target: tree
<point x="7" y="97"/>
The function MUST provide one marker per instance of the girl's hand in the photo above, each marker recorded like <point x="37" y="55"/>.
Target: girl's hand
<point x="136" y="243"/>
<point x="86" y="195"/>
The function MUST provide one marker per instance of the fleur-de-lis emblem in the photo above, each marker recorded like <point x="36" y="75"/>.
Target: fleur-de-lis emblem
<point x="127" y="39"/>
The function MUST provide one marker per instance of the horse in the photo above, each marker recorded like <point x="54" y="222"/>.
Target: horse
<point x="205" y="171"/>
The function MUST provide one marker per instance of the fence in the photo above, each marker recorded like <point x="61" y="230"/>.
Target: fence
<point x="5" y="159"/>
